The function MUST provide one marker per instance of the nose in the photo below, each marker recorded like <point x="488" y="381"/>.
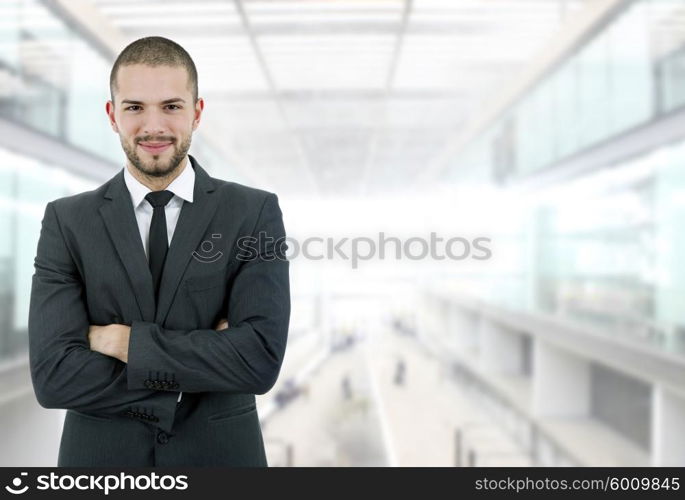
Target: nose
<point x="154" y="124"/>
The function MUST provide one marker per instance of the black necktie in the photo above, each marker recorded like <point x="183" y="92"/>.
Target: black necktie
<point x="159" y="242"/>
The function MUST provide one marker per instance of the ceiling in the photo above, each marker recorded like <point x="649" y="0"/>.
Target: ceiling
<point x="344" y="97"/>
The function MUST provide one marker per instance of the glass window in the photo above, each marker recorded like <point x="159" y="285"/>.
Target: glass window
<point x="593" y="91"/>
<point x="631" y="80"/>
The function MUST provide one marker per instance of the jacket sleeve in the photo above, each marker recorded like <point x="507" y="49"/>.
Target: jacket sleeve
<point x="65" y="372"/>
<point x="246" y="357"/>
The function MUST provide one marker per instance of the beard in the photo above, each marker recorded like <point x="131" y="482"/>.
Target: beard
<point x="157" y="167"/>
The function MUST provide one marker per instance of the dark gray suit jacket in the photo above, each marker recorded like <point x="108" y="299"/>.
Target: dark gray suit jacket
<point x="91" y="268"/>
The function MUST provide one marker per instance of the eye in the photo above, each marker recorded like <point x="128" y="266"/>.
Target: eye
<point x="175" y="106"/>
<point x="130" y="108"/>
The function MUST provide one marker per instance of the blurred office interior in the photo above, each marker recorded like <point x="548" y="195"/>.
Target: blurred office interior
<point x="553" y="129"/>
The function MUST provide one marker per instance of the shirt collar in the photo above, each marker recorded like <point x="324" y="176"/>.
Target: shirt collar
<point x="182" y="186"/>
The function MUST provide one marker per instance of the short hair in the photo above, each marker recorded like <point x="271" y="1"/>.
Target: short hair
<point x="154" y="51"/>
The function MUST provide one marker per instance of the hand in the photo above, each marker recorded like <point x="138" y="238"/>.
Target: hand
<point x="221" y="325"/>
<point x="110" y="340"/>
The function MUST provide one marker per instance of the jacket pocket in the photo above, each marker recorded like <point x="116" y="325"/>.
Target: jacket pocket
<point x="90" y="416"/>
<point x="198" y="283"/>
<point x="233" y="412"/>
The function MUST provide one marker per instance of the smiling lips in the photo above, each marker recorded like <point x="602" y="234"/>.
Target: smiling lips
<point x="154" y="147"/>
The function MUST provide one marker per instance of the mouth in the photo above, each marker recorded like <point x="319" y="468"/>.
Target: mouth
<point x="154" y="147"/>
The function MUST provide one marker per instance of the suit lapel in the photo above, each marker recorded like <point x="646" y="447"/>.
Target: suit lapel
<point x="122" y="226"/>
<point x="191" y="226"/>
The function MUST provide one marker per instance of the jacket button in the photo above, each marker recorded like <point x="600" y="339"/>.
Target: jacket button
<point x="162" y="437"/>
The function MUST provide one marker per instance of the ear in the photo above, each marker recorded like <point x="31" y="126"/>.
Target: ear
<point x="199" y="107"/>
<point x="109" y="108"/>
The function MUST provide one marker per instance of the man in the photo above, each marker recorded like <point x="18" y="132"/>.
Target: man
<point x="146" y="323"/>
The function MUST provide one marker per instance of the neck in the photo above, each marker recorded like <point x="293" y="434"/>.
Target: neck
<point x="157" y="183"/>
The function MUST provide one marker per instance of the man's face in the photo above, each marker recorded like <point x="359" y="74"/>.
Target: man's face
<point x="155" y="116"/>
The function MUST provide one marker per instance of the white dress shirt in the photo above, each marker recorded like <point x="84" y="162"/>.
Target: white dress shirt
<point x="182" y="187"/>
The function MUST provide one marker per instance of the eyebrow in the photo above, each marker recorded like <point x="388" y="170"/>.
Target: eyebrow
<point x="166" y="101"/>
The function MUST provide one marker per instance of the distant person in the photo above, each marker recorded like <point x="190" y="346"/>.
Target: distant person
<point x="346" y="384"/>
<point x="400" y="372"/>
<point x="146" y="323"/>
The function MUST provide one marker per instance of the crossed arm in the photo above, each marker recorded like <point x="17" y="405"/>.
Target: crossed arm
<point x="113" y="340"/>
<point x="103" y="369"/>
